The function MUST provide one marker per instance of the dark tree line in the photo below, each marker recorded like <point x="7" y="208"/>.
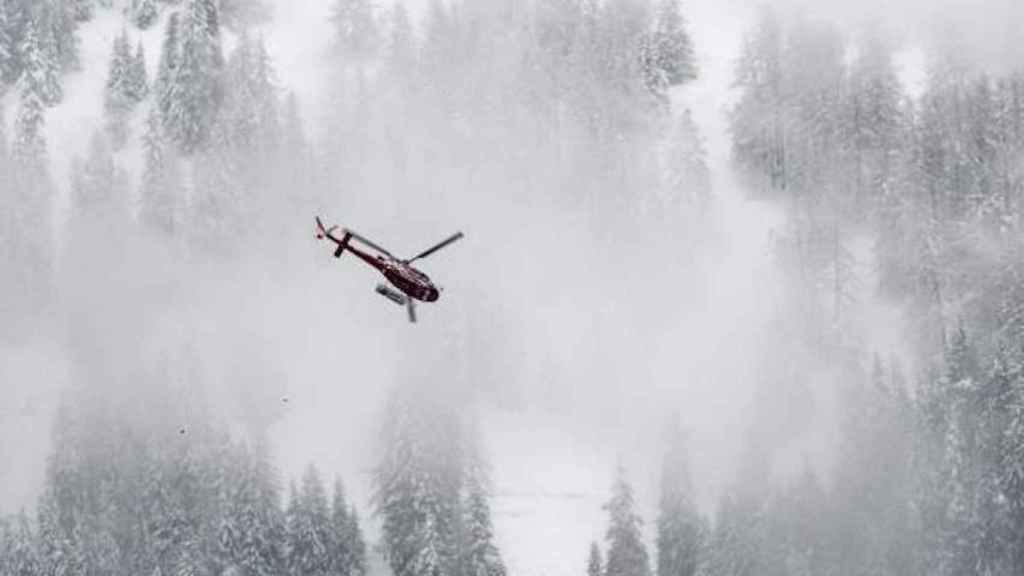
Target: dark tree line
<point x="432" y="492"/>
<point x="926" y="479"/>
<point x="123" y="497"/>
<point x="927" y="472"/>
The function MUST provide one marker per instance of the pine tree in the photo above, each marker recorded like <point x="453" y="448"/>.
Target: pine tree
<point x="162" y="189"/>
<point x="4" y="150"/>
<point x="66" y="34"/>
<point x="877" y="128"/>
<point x="251" y="526"/>
<point x="138" y="80"/>
<point x="296" y="155"/>
<point x="594" y="565"/>
<point x="119" y="98"/>
<point x="356" y="544"/>
<point x="30" y="144"/>
<point x="164" y="84"/>
<point x="57" y="553"/>
<point x="23" y="559"/>
<point x="9" y="68"/>
<point x="145" y="13"/>
<point x="96" y="188"/>
<point x="81" y="9"/>
<point x="6" y="543"/>
<point x="348" y="549"/>
<point x="627" y="555"/>
<point x="480" y="555"/>
<point x="341" y="551"/>
<point x="239" y="15"/>
<point x="309" y="529"/>
<point x="678" y="541"/>
<point x="38" y="62"/>
<point x="196" y="90"/>
<point x="417" y="488"/>
<point x="292" y="529"/>
<point x="401" y="49"/>
<point x="757" y="121"/>
<point x="250" y="111"/>
<point x="671" y="56"/>
<point x="686" y="172"/>
<point x="355" y="29"/>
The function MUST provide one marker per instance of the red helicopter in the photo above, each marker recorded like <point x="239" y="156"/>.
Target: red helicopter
<point x="412" y="284"/>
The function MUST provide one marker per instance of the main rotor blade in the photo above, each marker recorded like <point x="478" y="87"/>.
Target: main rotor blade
<point x="454" y="238"/>
<point x="369" y="243"/>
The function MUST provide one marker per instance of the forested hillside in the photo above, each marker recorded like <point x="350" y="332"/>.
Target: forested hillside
<point x="554" y="128"/>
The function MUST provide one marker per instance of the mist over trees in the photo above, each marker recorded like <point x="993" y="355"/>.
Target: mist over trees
<point x="573" y="98"/>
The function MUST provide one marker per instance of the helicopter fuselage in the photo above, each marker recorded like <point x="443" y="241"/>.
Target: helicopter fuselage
<point x="409" y="280"/>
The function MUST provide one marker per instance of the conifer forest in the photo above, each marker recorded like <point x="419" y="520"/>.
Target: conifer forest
<point x="741" y="291"/>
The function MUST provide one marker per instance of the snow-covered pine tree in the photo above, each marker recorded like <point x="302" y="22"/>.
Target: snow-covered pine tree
<point x="196" y="88"/>
<point x="357" y="565"/>
<point x="627" y="554"/>
<point x="138" y="80"/>
<point x="687" y="177"/>
<point x="679" y="525"/>
<point x="1010" y="367"/>
<point x="400" y="56"/>
<point x="82" y="9"/>
<point x="119" y="98"/>
<point x="355" y="29"/>
<point x="162" y="191"/>
<point x="309" y="529"/>
<point x="757" y="121"/>
<point x="62" y="18"/>
<point x="95" y="185"/>
<point x="57" y="550"/>
<point x="23" y="559"/>
<point x="595" y="566"/>
<point x="348" y="549"/>
<point x="28" y="214"/>
<point x="668" y="52"/>
<point x="239" y="15"/>
<point x="164" y="85"/>
<point x="250" y="536"/>
<point x="295" y="155"/>
<point x="5" y="158"/>
<point x="672" y="46"/>
<point x="877" y="120"/>
<point x="250" y="111"/>
<point x="292" y="528"/>
<point x="417" y="487"/>
<point x="38" y="61"/>
<point x="6" y="543"/>
<point x="216" y="210"/>
<point x="341" y="553"/>
<point x="479" y="554"/>
<point x="9" y="66"/>
<point x="144" y="13"/>
<point x="734" y="546"/>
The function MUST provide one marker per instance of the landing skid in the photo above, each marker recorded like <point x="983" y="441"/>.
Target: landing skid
<point x="399" y="299"/>
<point x="410" y="305"/>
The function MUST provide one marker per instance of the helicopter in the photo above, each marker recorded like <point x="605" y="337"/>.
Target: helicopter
<point x="412" y="285"/>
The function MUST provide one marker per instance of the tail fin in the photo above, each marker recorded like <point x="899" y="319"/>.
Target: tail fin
<point x="322" y="232"/>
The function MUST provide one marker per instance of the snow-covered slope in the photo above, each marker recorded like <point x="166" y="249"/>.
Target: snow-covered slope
<point x="550" y="479"/>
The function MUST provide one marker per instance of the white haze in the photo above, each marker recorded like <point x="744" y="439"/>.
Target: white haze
<point x="575" y="347"/>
